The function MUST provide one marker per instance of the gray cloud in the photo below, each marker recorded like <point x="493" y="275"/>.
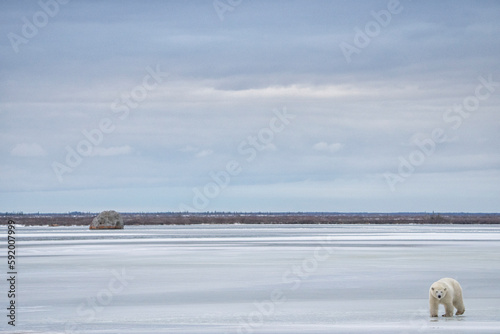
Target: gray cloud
<point x="353" y="120"/>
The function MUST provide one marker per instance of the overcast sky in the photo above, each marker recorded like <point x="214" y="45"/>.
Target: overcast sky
<point x="345" y="106"/>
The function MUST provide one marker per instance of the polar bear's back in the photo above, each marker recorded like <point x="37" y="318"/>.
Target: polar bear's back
<point x="457" y="289"/>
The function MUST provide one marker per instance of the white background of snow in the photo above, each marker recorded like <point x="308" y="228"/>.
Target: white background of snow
<point x="207" y="278"/>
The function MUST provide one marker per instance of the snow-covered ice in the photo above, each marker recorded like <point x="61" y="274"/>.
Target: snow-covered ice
<point x="253" y="279"/>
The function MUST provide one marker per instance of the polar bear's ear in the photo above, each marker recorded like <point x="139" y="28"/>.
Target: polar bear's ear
<point x="432" y="288"/>
<point x="444" y="289"/>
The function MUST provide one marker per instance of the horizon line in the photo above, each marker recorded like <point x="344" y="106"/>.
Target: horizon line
<point x="215" y="212"/>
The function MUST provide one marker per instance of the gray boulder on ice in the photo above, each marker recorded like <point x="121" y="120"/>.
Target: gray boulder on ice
<point x="107" y="220"/>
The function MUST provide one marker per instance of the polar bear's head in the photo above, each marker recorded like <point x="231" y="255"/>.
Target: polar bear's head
<point x="438" y="290"/>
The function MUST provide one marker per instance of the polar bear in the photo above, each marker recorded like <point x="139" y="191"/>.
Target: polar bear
<point x="448" y="292"/>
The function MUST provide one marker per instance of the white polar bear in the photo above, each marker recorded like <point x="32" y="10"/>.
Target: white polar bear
<point x="448" y="292"/>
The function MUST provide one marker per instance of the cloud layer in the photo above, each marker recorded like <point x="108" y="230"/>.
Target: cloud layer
<point x="138" y="106"/>
<point x="28" y="150"/>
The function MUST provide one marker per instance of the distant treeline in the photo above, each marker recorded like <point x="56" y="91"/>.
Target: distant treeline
<point x="176" y="218"/>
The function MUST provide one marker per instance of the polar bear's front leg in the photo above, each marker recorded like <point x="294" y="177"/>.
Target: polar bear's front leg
<point x="433" y="306"/>
<point x="448" y="307"/>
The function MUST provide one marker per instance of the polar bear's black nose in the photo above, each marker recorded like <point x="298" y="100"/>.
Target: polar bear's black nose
<point x="439" y="296"/>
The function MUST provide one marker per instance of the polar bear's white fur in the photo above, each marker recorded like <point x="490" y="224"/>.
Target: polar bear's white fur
<point x="448" y="292"/>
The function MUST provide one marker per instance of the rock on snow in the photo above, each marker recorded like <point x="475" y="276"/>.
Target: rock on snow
<point x="107" y="220"/>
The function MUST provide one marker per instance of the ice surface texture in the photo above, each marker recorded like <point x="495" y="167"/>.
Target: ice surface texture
<point x="254" y="279"/>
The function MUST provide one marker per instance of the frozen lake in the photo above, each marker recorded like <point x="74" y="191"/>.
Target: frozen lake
<point x="252" y="279"/>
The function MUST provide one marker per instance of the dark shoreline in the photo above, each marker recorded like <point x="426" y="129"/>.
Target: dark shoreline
<point x="78" y="218"/>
